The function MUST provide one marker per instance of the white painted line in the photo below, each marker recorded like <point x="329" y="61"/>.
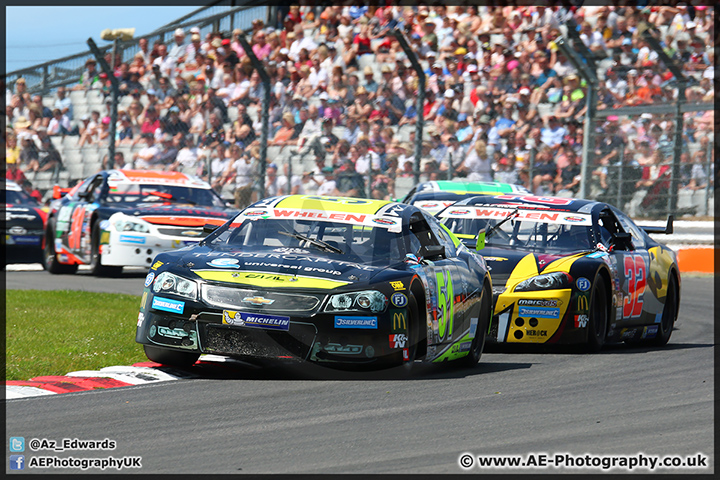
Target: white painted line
<point x="131" y="379"/>
<point x="145" y="373"/>
<point x="21" y="391"/>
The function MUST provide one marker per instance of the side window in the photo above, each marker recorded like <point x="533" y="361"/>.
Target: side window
<point x="442" y="235"/>
<point x="609" y="226"/>
<point x="638" y="238"/>
<point x="420" y="233"/>
<point x="93" y="189"/>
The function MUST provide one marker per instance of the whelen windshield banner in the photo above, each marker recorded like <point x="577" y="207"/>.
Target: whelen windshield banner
<point x="542" y="216"/>
<point x="393" y="224"/>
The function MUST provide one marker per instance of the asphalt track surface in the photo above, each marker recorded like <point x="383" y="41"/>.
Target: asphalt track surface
<point x="622" y="401"/>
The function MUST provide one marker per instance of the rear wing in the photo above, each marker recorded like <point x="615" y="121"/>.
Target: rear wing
<point x="667" y="229"/>
<point x="59" y="192"/>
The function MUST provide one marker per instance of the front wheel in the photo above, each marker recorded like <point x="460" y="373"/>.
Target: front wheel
<point x="96" y="266"/>
<point x="478" y="343"/>
<point x="597" y="326"/>
<point x="169" y="357"/>
<point x="669" y="315"/>
<point x="50" y="261"/>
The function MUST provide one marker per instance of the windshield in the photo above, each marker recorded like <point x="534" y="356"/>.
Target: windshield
<point x="158" y="193"/>
<point x="350" y="242"/>
<point x="14" y="197"/>
<point x="537" y="231"/>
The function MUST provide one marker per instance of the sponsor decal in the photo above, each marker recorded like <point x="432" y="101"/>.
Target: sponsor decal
<point x="465" y="347"/>
<point x="398" y="299"/>
<point x="255" y="213"/>
<point x="495" y="259"/>
<point x="583" y="284"/>
<point x="149" y="279"/>
<point x="132" y="239"/>
<point x="156" y="265"/>
<point x="398" y="321"/>
<point x="473" y="327"/>
<point x="539" y="303"/>
<point x="573" y="219"/>
<point x="141" y="319"/>
<point x="343" y="349"/>
<point x="581" y="321"/>
<point x="539" y="312"/>
<point x="397" y="285"/>
<point x="254" y="320"/>
<point x="191" y="233"/>
<point x="17" y="230"/>
<point x="356" y="322"/>
<point x="168" y="305"/>
<point x="143" y="300"/>
<point x="582" y="305"/>
<point x="383" y="221"/>
<point x="320" y="215"/>
<point x="650" y="332"/>
<point x="104" y="224"/>
<point x="172" y="332"/>
<point x="26" y="240"/>
<point x="104" y="238"/>
<point x="406" y="355"/>
<point x="597" y="254"/>
<point x="290" y="250"/>
<point x="459" y="212"/>
<point x="224" y="263"/>
<point x="536" y="333"/>
<point x="258" y="300"/>
<point x="627" y="333"/>
<point x="398" y="340"/>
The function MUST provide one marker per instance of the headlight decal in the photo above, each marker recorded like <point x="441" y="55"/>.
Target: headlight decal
<point x="547" y="281"/>
<point x="357" y="301"/>
<point x="166" y="282"/>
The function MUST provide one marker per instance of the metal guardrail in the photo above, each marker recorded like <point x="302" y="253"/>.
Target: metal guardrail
<point x="44" y="77"/>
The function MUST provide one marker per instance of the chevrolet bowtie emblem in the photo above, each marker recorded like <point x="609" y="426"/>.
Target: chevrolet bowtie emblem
<point x="258" y="300"/>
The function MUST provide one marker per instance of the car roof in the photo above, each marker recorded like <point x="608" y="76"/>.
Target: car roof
<point x="462" y="187"/>
<point x="12" y="186"/>
<point x="534" y="202"/>
<point x="155" y="177"/>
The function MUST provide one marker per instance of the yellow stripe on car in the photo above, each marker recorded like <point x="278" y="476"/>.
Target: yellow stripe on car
<point x="269" y="279"/>
<point x="338" y="204"/>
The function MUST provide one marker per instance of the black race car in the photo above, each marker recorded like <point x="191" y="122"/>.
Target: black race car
<point x="120" y="218"/>
<point x="340" y="281"/>
<point x="24" y="226"/>
<point x="570" y="271"/>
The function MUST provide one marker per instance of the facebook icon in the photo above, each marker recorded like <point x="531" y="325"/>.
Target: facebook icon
<point x="17" y="462"/>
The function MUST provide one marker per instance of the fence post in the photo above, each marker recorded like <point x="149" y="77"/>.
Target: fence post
<point x="531" y="164"/>
<point x="265" y="114"/>
<point x="419" y="106"/>
<point x="708" y="178"/>
<point x="621" y="167"/>
<point x="113" y="110"/>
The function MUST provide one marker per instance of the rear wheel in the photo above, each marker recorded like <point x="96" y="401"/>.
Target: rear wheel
<point x="413" y="340"/>
<point x="483" y="312"/>
<point x="171" y="358"/>
<point x="96" y="266"/>
<point x="50" y="261"/>
<point x="597" y="326"/>
<point x="669" y="315"/>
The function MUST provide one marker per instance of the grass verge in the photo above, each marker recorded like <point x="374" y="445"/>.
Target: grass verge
<point x="56" y="332"/>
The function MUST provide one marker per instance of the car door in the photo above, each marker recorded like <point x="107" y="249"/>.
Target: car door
<point x="633" y="262"/>
<point x="442" y="270"/>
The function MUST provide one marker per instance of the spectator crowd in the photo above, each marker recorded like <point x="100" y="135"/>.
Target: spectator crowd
<point x="502" y="101"/>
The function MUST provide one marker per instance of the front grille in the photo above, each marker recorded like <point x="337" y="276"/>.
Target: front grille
<point x="259" y="301"/>
<point x="257" y="342"/>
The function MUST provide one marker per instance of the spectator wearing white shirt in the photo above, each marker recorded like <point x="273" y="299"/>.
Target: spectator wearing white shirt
<point x="179" y="48"/>
<point x="553" y="134"/>
<point x="63" y="103"/>
<point x="301" y="41"/>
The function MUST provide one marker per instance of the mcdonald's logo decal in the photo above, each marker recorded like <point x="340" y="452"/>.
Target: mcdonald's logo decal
<point x="398" y="321"/>
<point x="582" y="305"/>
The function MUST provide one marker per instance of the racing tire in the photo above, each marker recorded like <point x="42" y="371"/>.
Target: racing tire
<point x="96" y="266"/>
<point x="50" y="261"/>
<point x="169" y="357"/>
<point x="598" y="322"/>
<point x="669" y="315"/>
<point x="414" y="325"/>
<point x="478" y="343"/>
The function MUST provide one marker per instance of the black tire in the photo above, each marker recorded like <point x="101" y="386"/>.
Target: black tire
<point x="50" y="261"/>
<point x="171" y="358"/>
<point x="669" y="315"/>
<point x="96" y="266"/>
<point x="484" y="310"/>
<point x="414" y="325"/>
<point x="598" y="322"/>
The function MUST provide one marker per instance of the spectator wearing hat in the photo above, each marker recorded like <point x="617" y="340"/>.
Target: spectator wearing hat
<point x="125" y="133"/>
<point x="29" y="149"/>
<point x="90" y="130"/>
<point x="90" y="77"/>
<point x="173" y="124"/>
<point x="178" y="50"/>
<point x="48" y="158"/>
<point x="370" y="85"/>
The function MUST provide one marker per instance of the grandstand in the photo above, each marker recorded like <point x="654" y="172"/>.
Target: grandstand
<point x="506" y="105"/>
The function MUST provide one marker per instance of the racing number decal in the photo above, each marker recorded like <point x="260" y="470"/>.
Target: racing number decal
<point x="636" y="273"/>
<point x="75" y="233"/>
<point x="446" y="305"/>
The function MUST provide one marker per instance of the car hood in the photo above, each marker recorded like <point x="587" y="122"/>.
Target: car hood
<point x="277" y="269"/>
<point x="506" y="263"/>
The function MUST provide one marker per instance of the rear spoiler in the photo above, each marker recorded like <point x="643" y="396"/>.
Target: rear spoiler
<point x="667" y="229"/>
<point x="59" y="192"/>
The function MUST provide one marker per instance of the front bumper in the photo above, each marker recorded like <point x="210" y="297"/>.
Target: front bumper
<point x="133" y="249"/>
<point x="548" y="316"/>
<point x="314" y="338"/>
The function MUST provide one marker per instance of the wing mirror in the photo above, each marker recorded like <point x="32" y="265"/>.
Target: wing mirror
<point x="209" y="228"/>
<point x="432" y="252"/>
<point x="480" y="240"/>
<point x="622" y="241"/>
